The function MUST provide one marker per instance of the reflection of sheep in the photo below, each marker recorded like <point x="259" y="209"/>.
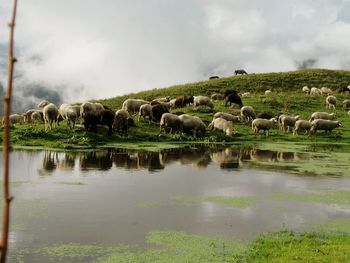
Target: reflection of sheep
<point x="322" y="115"/>
<point x="220" y="124"/>
<point x="248" y="113"/>
<point x="170" y="121"/>
<point x="263" y="124"/>
<point x="331" y="102"/>
<point x="302" y="125"/>
<point x="202" y="100"/>
<point x="326" y="125"/>
<point x="226" y="116"/>
<point x="50" y="112"/>
<point x="192" y="123"/>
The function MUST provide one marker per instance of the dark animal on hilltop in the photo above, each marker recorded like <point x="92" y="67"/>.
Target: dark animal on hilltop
<point x="100" y="117"/>
<point x="157" y="111"/>
<point x="233" y="98"/>
<point x="240" y="72"/>
<point x="344" y="89"/>
<point x="214" y="77"/>
<point x="182" y="101"/>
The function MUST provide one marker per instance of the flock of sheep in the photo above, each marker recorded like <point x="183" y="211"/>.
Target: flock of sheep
<point x="162" y="111"/>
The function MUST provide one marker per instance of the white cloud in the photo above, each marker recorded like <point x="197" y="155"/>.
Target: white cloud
<point x="114" y="47"/>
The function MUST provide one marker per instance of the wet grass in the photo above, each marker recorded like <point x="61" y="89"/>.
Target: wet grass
<point x="173" y="246"/>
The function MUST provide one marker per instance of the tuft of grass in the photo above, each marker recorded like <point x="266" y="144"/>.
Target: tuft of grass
<point x="236" y="202"/>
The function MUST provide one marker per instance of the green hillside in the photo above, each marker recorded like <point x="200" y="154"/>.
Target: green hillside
<point x="281" y="81"/>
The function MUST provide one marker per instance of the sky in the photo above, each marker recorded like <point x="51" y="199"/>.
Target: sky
<point x="93" y="49"/>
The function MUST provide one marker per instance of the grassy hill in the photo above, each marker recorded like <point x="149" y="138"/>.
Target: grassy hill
<point x="280" y="82"/>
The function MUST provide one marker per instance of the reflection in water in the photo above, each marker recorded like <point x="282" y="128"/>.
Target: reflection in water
<point x="197" y="157"/>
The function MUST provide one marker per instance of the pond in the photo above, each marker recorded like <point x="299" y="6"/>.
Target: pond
<point x="75" y="206"/>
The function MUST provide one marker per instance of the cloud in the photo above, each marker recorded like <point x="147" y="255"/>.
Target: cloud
<point x="99" y="49"/>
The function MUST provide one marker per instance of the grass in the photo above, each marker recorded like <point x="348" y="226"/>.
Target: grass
<point x="286" y="98"/>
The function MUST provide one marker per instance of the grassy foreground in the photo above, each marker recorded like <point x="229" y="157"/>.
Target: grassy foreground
<point x="286" y="98"/>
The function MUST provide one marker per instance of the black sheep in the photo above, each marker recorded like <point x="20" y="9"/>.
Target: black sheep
<point x="101" y="117"/>
<point x="233" y="98"/>
<point x="157" y="111"/>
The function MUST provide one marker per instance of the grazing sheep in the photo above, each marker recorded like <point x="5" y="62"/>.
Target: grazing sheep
<point x="170" y="122"/>
<point x="145" y="111"/>
<point x="248" y="113"/>
<point x="349" y="112"/>
<point x="226" y="116"/>
<point x="344" y="89"/>
<point x="14" y="119"/>
<point x="192" y="123"/>
<point x="122" y="121"/>
<point x="88" y="107"/>
<point x="322" y="115"/>
<point x="217" y="96"/>
<point x="325" y="90"/>
<point x="43" y="103"/>
<point x="233" y="98"/>
<point x="133" y="105"/>
<point x="228" y="92"/>
<point x="287" y="121"/>
<point x="50" y="112"/>
<point x="315" y="91"/>
<point x="326" y="125"/>
<point x="240" y="72"/>
<point x="99" y="117"/>
<point x="213" y="77"/>
<point x="331" y="102"/>
<point x="183" y="101"/>
<point x="220" y="124"/>
<point x="346" y="104"/>
<point x="28" y="114"/>
<point x="268" y="92"/>
<point x="306" y="90"/>
<point x="172" y="103"/>
<point x="157" y="111"/>
<point x="263" y="124"/>
<point x="164" y="99"/>
<point x="302" y="125"/>
<point x="202" y="100"/>
<point x="37" y="116"/>
<point x="70" y="113"/>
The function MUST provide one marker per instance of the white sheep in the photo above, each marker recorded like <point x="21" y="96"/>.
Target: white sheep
<point x="172" y="103"/>
<point x="302" y="125"/>
<point x="322" y="115"/>
<point x="331" y="102"/>
<point x="28" y="114"/>
<point x="349" y="112"/>
<point x="88" y="107"/>
<point x="268" y="92"/>
<point x="220" y="124"/>
<point x="263" y="124"/>
<point x="245" y="94"/>
<point x="315" y="91"/>
<point x="145" y="111"/>
<point x="203" y="100"/>
<point x="226" y="116"/>
<point x="346" y="104"/>
<point x="43" y="103"/>
<point x="325" y="90"/>
<point x="326" y="125"/>
<point x="133" y="105"/>
<point x="14" y="119"/>
<point x="70" y="113"/>
<point x="287" y="121"/>
<point x="170" y="121"/>
<point x="248" y="113"/>
<point x="50" y="112"/>
<point x="306" y="90"/>
<point x="37" y="116"/>
<point x="192" y="123"/>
